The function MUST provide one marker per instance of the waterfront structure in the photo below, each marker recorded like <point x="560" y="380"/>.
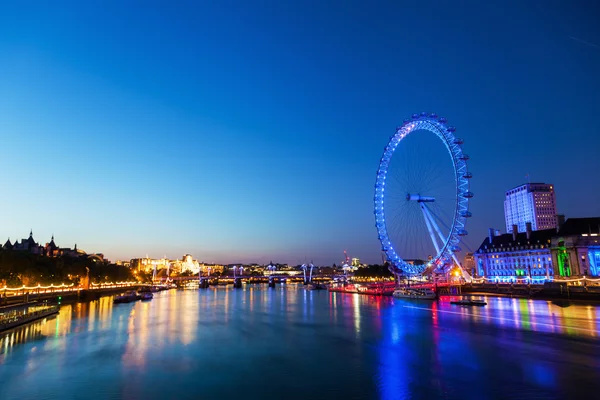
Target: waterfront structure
<point x="442" y="207"/>
<point x="531" y="202"/>
<point x="517" y="255"/>
<point x="148" y="265"/>
<point x="576" y="248"/>
<point x="211" y="268"/>
<point x="187" y="263"/>
<point x="542" y="255"/>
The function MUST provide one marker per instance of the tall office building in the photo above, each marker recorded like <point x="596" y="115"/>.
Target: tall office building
<point x="531" y="202"/>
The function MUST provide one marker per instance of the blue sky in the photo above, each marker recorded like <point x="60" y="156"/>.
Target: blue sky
<point x="250" y="131"/>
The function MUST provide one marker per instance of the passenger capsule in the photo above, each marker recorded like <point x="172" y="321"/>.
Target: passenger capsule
<point x="464" y="157"/>
<point x="468" y="175"/>
<point x="451" y="129"/>
<point x="458" y="141"/>
<point x="443" y="120"/>
<point x="466" y="214"/>
<point x="433" y="116"/>
<point x="415" y="116"/>
<point x="462" y="232"/>
<point x="455" y="248"/>
<point x="468" y="195"/>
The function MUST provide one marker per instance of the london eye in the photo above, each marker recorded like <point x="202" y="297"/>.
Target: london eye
<point x="422" y="196"/>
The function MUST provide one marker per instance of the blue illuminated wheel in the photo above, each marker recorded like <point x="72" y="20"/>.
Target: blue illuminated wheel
<point x="422" y="195"/>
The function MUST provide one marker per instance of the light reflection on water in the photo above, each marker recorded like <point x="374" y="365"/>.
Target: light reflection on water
<point x="220" y="342"/>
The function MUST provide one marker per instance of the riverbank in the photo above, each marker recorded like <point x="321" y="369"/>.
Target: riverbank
<point x="62" y="296"/>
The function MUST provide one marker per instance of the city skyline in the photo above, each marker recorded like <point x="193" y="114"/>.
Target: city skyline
<point x="255" y="135"/>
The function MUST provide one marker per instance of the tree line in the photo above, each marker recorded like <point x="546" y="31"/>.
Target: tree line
<point x="18" y="268"/>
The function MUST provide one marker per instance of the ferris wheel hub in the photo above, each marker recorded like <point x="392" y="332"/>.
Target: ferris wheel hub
<point x="419" y="199"/>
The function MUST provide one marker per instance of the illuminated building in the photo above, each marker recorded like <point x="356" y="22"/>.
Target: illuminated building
<point x="538" y="256"/>
<point x="531" y="202"/>
<point x="213" y="268"/>
<point x="469" y="264"/>
<point x="148" y="265"/>
<point x="187" y="263"/>
<point x="515" y="256"/>
<point x="576" y="248"/>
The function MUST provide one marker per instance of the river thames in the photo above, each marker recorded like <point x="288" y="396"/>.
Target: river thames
<point x="289" y="343"/>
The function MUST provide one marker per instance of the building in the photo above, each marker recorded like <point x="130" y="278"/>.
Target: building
<point x="542" y="255"/>
<point x="29" y="245"/>
<point x="469" y="264"/>
<point x="516" y="256"/>
<point x="209" y="269"/>
<point x="149" y="265"/>
<point x="49" y="249"/>
<point x="186" y="264"/>
<point x="576" y="248"/>
<point x="531" y="202"/>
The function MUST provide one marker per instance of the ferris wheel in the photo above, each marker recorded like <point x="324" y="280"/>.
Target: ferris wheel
<point x="422" y="195"/>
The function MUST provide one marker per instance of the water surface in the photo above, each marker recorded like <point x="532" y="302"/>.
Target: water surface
<point x="289" y="343"/>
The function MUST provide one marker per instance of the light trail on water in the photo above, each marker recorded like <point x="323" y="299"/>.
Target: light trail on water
<point x="566" y="327"/>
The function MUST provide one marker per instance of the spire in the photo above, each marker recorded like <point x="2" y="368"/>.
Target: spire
<point x="52" y="237"/>
<point x="31" y="233"/>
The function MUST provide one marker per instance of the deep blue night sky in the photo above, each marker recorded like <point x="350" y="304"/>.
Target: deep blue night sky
<point x="251" y="131"/>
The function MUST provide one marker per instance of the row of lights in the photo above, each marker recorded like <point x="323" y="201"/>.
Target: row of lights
<point x="52" y="286"/>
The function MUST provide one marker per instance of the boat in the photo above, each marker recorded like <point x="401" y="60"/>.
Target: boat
<point x="126" y="297"/>
<point x="411" y="293"/>
<point x="146" y="296"/>
<point x="469" y="302"/>
<point x="16" y="318"/>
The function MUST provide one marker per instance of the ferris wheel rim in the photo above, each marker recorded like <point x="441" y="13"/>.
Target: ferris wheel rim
<point x="436" y="125"/>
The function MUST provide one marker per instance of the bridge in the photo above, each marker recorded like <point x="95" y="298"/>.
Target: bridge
<point x="205" y="281"/>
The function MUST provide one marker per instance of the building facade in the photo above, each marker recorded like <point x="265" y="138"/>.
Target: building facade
<point x="514" y="257"/>
<point x="149" y="265"/>
<point x="531" y="202"/>
<point x="576" y="248"/>
<point x="50" y="249"/>
<point x="542" y="255"/>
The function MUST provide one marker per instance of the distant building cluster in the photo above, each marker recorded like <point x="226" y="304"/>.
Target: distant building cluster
<point x="50" y="249"/>
<point x="149" y="265"/>
<point x="187" y="263"/>
<point x="539" y="244"/>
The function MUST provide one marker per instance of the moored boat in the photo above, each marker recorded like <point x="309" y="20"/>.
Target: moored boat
<point x="411" y="293"/>
<point x="146" y="296"/>
<point x="126" y="297"/>
<point x="469" y="302"/>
